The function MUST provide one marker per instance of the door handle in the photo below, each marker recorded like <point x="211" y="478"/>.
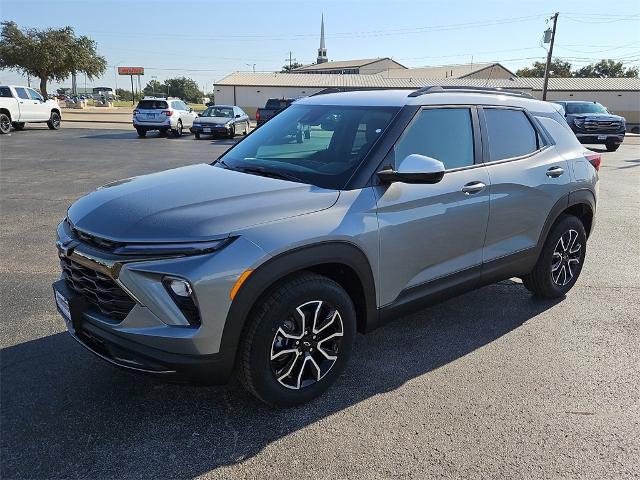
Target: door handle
<point x="554" y="172"/>
<point x="473" y="187"/>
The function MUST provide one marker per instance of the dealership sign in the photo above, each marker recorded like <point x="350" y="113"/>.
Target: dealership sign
<point x="130" y="70"/>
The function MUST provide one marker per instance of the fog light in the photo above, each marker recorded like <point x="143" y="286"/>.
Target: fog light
<point x="180" y="287"/>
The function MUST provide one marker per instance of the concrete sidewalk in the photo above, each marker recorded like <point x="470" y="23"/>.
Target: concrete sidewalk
<point x="98" y="115"/>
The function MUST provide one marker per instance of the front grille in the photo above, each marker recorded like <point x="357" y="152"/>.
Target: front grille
<point x="101" y="243"/>
<point x="99" y="290"/>
<point x="602" y="125"/>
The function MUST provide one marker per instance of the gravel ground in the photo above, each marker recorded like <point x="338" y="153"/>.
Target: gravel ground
<point x="492" y="384"/>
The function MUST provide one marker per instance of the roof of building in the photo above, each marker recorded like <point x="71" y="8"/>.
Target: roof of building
<point x="311" y="80"/>
<point x="443" y="71"/>
<point x="341" y="64"/>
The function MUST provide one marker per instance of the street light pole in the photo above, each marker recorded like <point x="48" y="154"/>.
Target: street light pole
<point x="549" y="55"/>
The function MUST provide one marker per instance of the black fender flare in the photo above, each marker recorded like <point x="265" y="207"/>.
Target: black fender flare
<point x="280" y="266"/>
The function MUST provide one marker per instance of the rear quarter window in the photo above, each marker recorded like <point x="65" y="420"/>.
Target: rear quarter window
<point x="510" y="134"/>
<point x="5" y="92"/>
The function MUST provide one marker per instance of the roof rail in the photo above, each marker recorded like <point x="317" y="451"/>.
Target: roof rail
<point x="468" y="89"/>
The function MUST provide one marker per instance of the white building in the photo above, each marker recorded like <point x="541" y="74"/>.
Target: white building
<point x="251" y="90"/>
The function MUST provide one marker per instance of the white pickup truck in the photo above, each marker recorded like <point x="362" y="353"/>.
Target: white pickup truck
<point x="19" y="105"/>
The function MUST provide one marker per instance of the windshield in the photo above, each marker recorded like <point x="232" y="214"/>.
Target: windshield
<point x="317" y="144"/>
<point x="226" y="112"/>
<point x="587" y="107"/>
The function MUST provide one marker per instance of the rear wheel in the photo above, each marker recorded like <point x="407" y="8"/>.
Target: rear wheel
<point x="18" y="125"/>
<point x="141" y="132"/>
<point x="178" y="131"/>
<point x="612" y="146"/>
<point x="5" y="124"/>
<point x="54" y="121"/>
<point x="560" y="261"/>
<point x="298" y="340"/>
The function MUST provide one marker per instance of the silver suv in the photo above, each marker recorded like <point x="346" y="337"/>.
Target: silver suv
<point x="167" y="115"/>
<point x="268" y="261"/>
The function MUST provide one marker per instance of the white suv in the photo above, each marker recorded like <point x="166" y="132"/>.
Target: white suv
<point x="167" y="115"/>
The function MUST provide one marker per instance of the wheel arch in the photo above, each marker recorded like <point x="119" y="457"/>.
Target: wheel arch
<point x="56" y="110"/>
<point x="6" y="112"/>
<point x="341" y="261"/>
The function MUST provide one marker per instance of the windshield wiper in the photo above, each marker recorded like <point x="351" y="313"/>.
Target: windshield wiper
<point x="269" y="173"/>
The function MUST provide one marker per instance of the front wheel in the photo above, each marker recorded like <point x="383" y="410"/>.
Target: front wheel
<point x="298" y="340"/>
<point x="5" y="124"/>
<point x="246" y="129"/>
<point x="197" y="136"/>
<point x="18" y="125"/>
<point x="54" y="121"/>
<point x="612" y="147"/>
<point x="232" y="131"/>
<point x="560" y="261"/>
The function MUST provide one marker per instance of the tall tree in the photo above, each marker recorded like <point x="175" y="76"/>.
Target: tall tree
<point x="51" y="54"/>
<point x="287" y="68"/>
<point x="559" y="68"/>
<point x="606" y="68"/>
<point x="185" y="88"/>
<point x="154" y="87"/>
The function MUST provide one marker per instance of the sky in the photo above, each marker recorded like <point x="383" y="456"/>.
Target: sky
<point x="207" y="40"/>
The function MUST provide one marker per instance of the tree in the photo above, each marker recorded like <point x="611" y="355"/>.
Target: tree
<point x="51" y="54"/>
<point x="606" y="68"/>
<point x="559" y="68"/>
<point x="183" y="87"/>
<point x="287" y="69"/>
<point x="154" y="87"/>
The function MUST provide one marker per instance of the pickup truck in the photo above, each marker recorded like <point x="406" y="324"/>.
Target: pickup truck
<point x="19" y="105"/>
<point x="273" y="106"/>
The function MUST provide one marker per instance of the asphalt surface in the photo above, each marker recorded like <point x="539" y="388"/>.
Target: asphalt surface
<point x="492" y="384"/>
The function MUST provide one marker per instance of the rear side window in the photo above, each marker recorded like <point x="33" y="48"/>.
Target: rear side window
<point x="22" y="93"/>
<point x="510" y="134"/>
<point x="152" y="105"/>
<point x="277" y="103"/>
<point x="445" y="134"/>
<point x="5" y="92"/>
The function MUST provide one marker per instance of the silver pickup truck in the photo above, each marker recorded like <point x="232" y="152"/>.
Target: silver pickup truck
<point x="19" y="105"/>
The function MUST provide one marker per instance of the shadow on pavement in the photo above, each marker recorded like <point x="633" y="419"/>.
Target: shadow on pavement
<point x="67" y="414"/>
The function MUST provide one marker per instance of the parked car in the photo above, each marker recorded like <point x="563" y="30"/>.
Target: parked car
<point x="269" y="260"/>
<point x="592" y="123"/>
<point x="167" y="115"/>
<point x="221" y="119"/>
<point x="271" y="108"/>
<point x="19" y="105"/>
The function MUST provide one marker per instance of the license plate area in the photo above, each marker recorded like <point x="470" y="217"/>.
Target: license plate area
<point x="206" y="130"/>
<point x="69" y="305"/>
<point x="602" y="137"/>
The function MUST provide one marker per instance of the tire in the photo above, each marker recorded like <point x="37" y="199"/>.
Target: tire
<point x="54" y="121"/>
<point x="178" y="131"/>
<point x="560" y="261"/>
<point x="275" y="324"/>
<point x="5" y="124"/>
<point x="197" y="136"/>
<point x="232" y="131"/>
<point x="612" y="147"/>
<point x="141" y="132"/>
<point x="18" y="125"/>
<point x="246" y="129"/>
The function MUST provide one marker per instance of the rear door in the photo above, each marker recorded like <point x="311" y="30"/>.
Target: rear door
<point x="528" y="176"/>
<point x="430" y="232"/>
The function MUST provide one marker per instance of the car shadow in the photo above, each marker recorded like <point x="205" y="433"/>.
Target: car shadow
<point x="633" y="163"/>
<point x="68" y="414"/>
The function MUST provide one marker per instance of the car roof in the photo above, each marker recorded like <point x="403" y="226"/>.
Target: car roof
<point x="400" y="98"/>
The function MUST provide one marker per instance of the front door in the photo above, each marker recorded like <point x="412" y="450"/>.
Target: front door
<point x="429" y="232"/>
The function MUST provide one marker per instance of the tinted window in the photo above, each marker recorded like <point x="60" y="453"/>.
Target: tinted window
<point x="22" y="93"/>
<point x="5" y="92"/>
<point x="586" y="107"/>
<point x="152" y="105"/>
<point x="277" y="103"/>
<point x="34" y="95"/>
<point x="445" y="134"/>
<point x="318" y="144"/>
<point x="510" y="133"/>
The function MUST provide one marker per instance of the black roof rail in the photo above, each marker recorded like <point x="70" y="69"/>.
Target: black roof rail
<point x="468" y="89"/>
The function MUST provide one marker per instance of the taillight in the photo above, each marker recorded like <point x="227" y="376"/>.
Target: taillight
<point x="168" y="113"/>
<point x="136" y="111"/>
<point x="594" y="159"/>
<point x="257" y="115"/>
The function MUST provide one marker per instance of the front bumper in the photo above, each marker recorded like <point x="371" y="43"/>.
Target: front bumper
<point x="152" y="338"/>
<point x="600" y="137"/>
<point x="210" y="129"/>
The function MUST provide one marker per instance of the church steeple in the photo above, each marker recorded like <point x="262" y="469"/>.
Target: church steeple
<point x="322" y="51"/>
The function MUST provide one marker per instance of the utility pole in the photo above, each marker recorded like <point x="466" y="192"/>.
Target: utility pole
<point x="549" y="55"/>
<point x="291" y="60"/>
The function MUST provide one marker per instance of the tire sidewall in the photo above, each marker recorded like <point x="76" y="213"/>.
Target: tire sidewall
<point x="54" y="121"/>
<point x="266" y="385"/>
<point x="4" y="118"/>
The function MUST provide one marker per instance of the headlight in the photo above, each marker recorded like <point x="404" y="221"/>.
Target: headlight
<point x="161" y="249"/>
<point x="578" y="121"/>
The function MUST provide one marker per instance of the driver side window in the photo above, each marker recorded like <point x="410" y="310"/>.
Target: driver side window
<point x="35" y="95"/>
<point x="445" y="134"/>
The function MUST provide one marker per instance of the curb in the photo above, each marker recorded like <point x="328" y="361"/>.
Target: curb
<point x="96" y="121"/>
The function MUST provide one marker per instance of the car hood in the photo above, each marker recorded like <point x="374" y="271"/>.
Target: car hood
<point x="199" y="202"/>
<point x="597" y="116"/>
<point x="212" y="120"/>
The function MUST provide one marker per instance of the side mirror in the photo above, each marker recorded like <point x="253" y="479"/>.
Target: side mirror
<point x="237" y="115"/>
<point x="414" y="168"/>
<point x="190" y="110"/>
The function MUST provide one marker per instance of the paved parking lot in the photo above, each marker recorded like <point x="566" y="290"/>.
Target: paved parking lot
<point x="493" y="384"/>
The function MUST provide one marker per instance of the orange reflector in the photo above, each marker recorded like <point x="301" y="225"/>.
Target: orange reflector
<point x="239" y="282"/>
